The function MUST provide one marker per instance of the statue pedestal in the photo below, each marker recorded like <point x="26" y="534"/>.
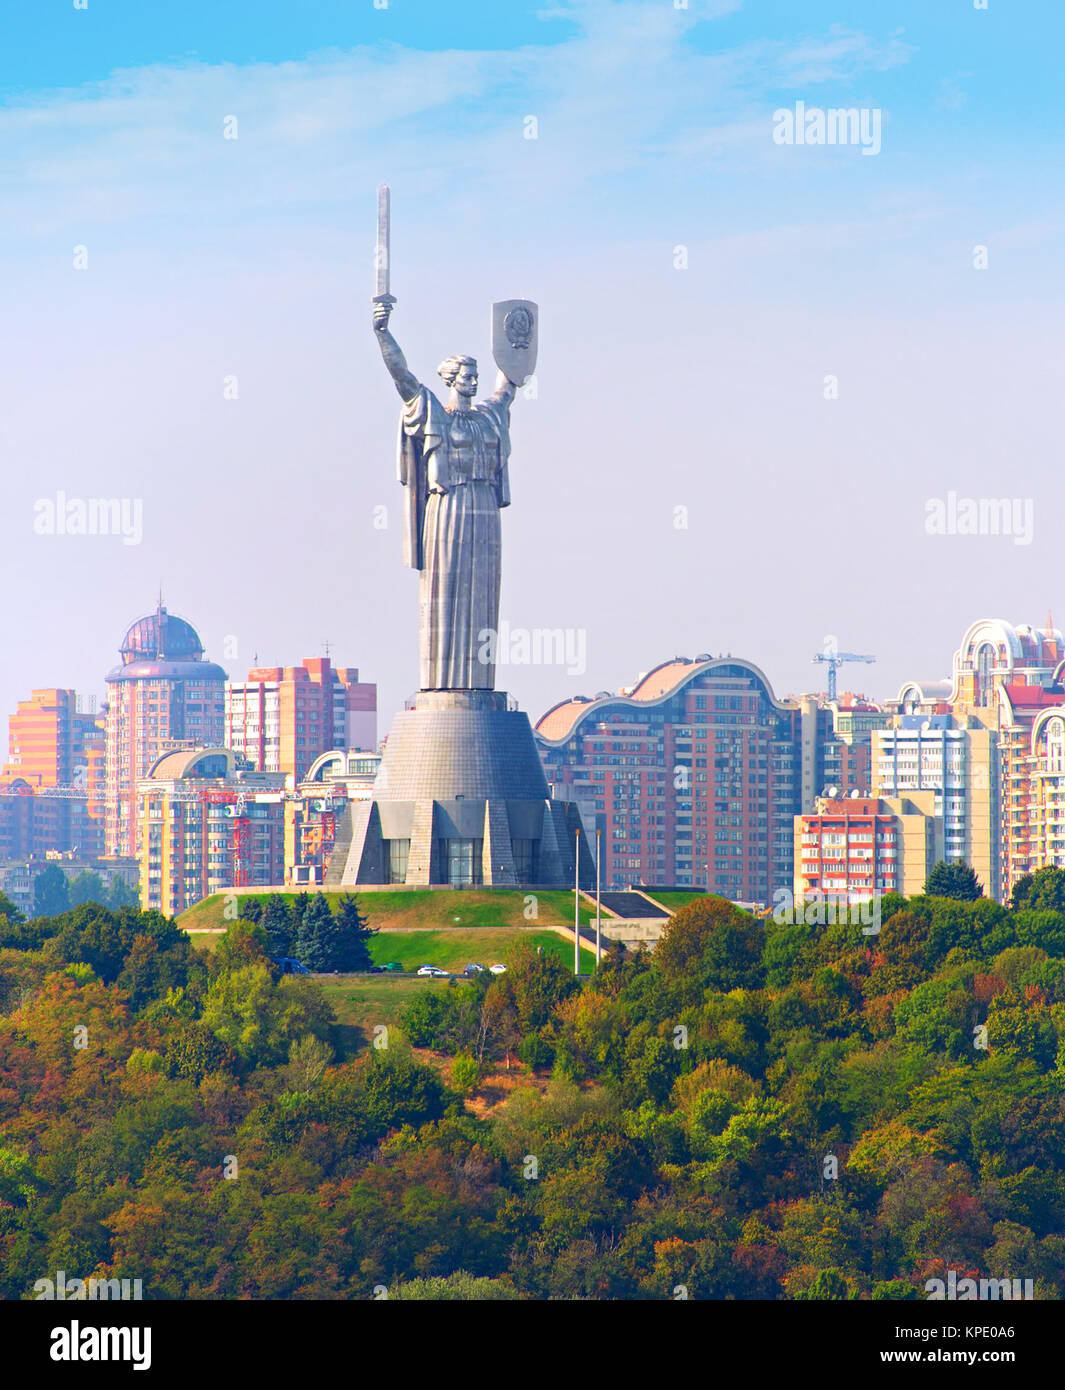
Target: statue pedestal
<point x="460" y="799"/>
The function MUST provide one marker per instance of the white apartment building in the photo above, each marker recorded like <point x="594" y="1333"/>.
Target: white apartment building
<point x="960" y="766"/>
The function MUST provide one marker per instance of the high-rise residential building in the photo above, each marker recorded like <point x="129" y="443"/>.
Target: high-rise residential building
<point x="164" y="693"/>
<point x="47" y="738"/>
<point x="1028" y="719"/>
<point x="283" y="717"/>
<point x="846" y="744"/>
<point x="1039" y="840"/>
<point x="50" y="793"/>
<point x="837" y="745"/>
<point x="1005" y="680"/>
<point x="207" y="823"/>
<point x="855" y="848"/>
<point x="692" y="776"/>
<point x="955" y="758"/>
<point x="96" y="776"/>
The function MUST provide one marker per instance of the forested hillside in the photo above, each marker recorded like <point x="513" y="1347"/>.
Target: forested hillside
<point x="755" y="1111"/>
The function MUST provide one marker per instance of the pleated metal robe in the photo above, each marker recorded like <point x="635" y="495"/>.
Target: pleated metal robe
<point x="455" y="468"/>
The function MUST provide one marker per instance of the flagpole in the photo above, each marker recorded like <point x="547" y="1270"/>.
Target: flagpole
<point x="598" y="919"/>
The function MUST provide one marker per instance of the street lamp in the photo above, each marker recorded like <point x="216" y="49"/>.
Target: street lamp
<point x="577" y="902"/>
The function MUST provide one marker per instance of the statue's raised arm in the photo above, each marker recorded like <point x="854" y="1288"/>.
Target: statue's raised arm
<point x="505" y="389"/>
<point x="407" y="384"/>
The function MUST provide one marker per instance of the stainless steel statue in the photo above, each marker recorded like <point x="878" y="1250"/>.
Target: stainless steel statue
<point x="453" y="462"/>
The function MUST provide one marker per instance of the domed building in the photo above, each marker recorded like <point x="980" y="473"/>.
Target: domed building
<point x="164" y="694"/>
<point x="160" y="637"/>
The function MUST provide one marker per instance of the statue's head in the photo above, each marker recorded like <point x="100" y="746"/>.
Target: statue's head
<point x="460" y="373"/>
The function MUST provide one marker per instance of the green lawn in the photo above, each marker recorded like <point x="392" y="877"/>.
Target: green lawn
<point x="425" y="909"/>
<point x="454" y="948"/>
<point x="673" y="901"/>
<point x="474" y="907"/>
<point x="361" y="1001"/>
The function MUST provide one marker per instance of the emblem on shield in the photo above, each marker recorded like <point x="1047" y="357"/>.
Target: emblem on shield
<point x="514" y="334"/>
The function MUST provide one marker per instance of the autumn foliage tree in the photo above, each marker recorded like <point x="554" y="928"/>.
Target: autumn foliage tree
<point x="712" y="944"/>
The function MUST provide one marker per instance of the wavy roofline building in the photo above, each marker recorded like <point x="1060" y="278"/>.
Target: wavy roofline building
<point x="691" y="777"/>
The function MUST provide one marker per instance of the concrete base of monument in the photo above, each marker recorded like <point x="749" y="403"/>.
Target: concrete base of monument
<point x="461" y="799"/>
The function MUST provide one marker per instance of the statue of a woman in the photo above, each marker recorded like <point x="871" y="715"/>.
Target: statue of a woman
<point x="453" y="463"/>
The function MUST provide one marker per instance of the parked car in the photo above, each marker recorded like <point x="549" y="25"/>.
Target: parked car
<point x="290" y="966"/>
<point x="434" y="971"/>
<point x="498" y="969"/>
<point x="394" y="968"/>
<point x="473" y="969"/>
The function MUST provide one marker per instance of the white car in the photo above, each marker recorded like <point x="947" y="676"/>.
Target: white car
<point x="498" y="969"/>
<point x="426" y="969"/>
<point x="434" y="971"/>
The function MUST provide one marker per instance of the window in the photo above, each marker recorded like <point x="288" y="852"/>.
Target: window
<point x="398" y="855"/>
<point x="524" y="860"/>
<point x="463" y="862"/>
<point x="1056" y="745"/>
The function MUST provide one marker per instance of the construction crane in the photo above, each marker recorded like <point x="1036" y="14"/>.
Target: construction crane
<point x="834" y="660"/>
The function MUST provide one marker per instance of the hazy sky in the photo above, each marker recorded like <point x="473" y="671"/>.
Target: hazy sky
<point x="659" y="387"/>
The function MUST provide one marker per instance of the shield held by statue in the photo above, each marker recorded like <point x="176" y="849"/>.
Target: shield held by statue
<point x="514" y="334"/>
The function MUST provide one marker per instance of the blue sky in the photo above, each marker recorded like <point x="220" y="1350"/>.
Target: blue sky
<point x="658" y="387"/>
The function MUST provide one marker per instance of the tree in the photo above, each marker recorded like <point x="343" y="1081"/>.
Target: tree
<point x="276" y="917"/>
<point x="352" y="936"/>
<point x="711" y="944"/>
<point x="259" y="1021"/>
<point x="104" y="939"/>
<point x="87" y="887"/>
<point x="465" y="1073"/>
<point x="120" y="894"/>
<point x="242" y="943"/>
<point x="19" y="1183"/>
<point x="427" y="1015"/>
<point x="521" y="1001"/>
<point x="826" y="1283"/>
<point x="10" y="911"/>
<point x="149" y="970"/>
<point x="315" y="947"/>
<point x="955" y="880"/>
<point x="193" y="1051"/>
<point x="397" y="1090"/>
<point x="457" y="1287"/>
<point x="51" y="892"/>
<point x="897" y="1289"/>
<point x="297" y="909"/>
<point x="1044" y="890"/>
<point x="14" y="930"/>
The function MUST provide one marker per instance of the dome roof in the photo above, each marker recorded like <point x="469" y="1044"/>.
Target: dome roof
<point x="161" y="637"/>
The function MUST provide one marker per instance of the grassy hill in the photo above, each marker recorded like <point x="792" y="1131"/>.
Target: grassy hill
<point x="425" y="910"/>
<point x="361" y="1001"/>
<point x="452" y="948"/>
